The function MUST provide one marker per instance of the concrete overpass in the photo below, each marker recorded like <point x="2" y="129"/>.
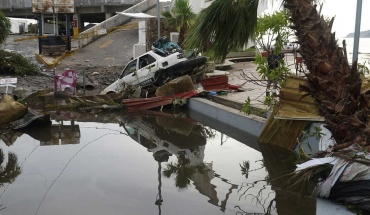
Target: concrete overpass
<point x="94" y="11"/>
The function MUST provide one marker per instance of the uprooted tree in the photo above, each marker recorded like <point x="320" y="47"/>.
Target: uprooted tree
<point x="4" y="27"/>
<point x="332" y="82"/>
<point x="13" y="63"/>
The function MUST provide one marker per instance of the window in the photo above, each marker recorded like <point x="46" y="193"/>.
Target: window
<point x="130" y="68"/>
<point x="146" y="60"/>
<point x="166" y="8"/>
<point x="164" y="64"/>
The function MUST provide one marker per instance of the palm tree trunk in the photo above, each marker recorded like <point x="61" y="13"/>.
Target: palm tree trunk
<point x="331" y="81"/>
<point x="182" y="36"/>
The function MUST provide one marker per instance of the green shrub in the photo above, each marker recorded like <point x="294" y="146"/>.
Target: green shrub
<point x="16" y="64"/>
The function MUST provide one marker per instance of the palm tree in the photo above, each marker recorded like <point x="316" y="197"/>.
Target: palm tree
<point x="226" y="24"/>
<point x="180" y="17"/>
<point x="333" y="84"/>
<point x="4" y="27"/>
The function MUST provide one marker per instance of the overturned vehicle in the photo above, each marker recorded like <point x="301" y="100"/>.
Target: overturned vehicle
<point x="155" y="68"/>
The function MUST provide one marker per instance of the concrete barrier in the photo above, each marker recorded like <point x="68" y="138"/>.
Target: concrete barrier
<point x="88" y="36"/>
<point x="249" y="123"/>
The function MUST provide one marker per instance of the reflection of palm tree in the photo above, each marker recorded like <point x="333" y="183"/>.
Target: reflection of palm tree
<point x="182" y="170"/>
<point x="11" y="169"/>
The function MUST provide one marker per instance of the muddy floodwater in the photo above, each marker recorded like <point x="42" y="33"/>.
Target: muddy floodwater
<point x="135" y="165"/>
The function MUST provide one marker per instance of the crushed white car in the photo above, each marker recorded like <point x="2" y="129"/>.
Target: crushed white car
<point x="154" y="68"/>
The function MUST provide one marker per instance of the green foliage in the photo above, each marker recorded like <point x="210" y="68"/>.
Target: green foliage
<point x="4" y="27"/>
<point x="270" y="101"/>
<point x="273" y="29"/>
<point x="363" y="69"/>
<point x="276" y="75"/>
<point x="247" y="108"/>
<point x="16" y="64"/>
<point x="32" y="28"/>
<point x="262" y="66"/>
<point x="223" y="26"/>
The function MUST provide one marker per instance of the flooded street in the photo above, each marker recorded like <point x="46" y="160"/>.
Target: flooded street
<point x="134" y="165"/>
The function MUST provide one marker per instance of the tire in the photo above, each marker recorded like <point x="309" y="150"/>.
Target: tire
<point x="161" y="77"/>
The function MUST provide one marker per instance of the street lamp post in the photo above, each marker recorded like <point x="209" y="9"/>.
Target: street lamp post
<point x="159" y="20"/>
<point x="356" y="39"/>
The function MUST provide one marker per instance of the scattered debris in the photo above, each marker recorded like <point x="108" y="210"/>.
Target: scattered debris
<point x="10" y="110"/>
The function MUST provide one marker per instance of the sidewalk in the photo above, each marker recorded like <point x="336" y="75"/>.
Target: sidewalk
<point x="255" y="92"/>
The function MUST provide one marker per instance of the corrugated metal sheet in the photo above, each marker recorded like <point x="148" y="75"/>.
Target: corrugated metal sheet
<point x="282" y="133"/>
<point x="294" y="112"/>
<point x="295" y="104"/>
<point x="53" y="6"/>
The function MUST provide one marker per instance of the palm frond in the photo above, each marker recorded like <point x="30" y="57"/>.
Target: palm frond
<point x="224" y="25"/>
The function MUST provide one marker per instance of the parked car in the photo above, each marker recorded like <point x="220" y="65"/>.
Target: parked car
<point x="154" y="68"/>
<point x="287" y="47"/>
<point x="290" y="47"/>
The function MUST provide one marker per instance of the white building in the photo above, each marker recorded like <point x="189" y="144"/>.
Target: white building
<point x="199" y="5"/>
<point x="19" y="25"/>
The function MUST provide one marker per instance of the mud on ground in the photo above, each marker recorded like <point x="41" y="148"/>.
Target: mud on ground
<point x="97" y="78"/>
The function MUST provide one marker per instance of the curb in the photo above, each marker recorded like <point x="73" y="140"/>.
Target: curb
<point x="40" y="58"/>
<point x="251" y="124"/>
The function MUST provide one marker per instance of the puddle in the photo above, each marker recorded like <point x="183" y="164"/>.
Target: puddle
<point x="115" y="164"/>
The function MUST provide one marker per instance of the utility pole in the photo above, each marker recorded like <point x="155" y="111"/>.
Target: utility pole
<point x="159" y="20"/>
<point x="356" y="39"/>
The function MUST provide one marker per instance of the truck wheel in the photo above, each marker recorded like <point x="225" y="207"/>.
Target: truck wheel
<point x="161" y="78"/>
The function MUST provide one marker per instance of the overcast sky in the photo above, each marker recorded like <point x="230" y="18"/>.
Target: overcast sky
<point x="345" y="15"/>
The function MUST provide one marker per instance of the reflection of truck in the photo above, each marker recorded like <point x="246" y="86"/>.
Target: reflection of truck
<point x="20" y="26"/>
<point x="147" y="132"/>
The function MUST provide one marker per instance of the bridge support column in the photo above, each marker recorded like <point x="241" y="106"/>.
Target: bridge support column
<point x="41" y="29"/>
<point x="104" y="9"/>
<point x="108" y="15"/>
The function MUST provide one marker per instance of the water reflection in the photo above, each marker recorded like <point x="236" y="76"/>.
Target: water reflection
<point x="289" y="200"/>
<point x="157" y="163"/>
<point x="185" y="139"/>
<point x="10" y="170"/>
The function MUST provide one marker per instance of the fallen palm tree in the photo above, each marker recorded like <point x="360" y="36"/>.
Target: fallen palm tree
<point x="335" y="86"/>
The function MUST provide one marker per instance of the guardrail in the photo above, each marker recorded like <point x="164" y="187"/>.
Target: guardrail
<point x="88" y="36"/>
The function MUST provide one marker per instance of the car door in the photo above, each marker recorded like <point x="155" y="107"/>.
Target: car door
<point x="148" y="65"/>
<point x="129" y="74"/>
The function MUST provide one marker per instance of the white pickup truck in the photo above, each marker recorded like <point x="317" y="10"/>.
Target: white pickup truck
<point x="154" y="68"/>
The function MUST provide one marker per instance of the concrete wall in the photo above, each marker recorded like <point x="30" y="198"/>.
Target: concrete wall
<point x="105" y="2"/>
<point x="249" y="123"/>
<point x="91" y="34"/>
<point x="7" y="4"/>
